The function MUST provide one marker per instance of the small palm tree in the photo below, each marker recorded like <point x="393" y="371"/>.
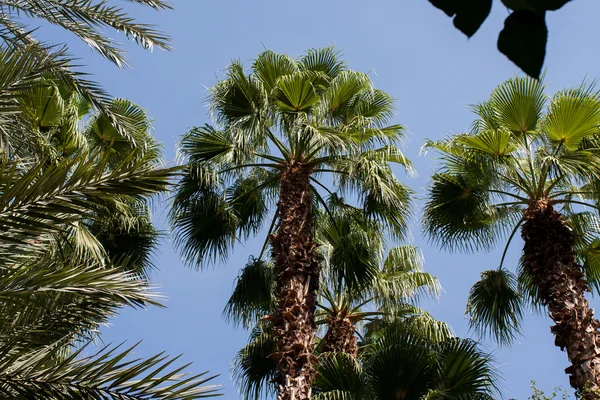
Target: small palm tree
<point x="410" y="357"/>
<point x="281" y="128"/>
<point x="358" y="285"/>
<point x="531" y="166"/>
<point x="400" y="365"/>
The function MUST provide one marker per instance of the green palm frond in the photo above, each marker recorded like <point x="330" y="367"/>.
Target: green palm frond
<point x="586" y="230"/>
<point x="47" y="300"/>
<point x="573" y="115"/>
<point x="337" y="103"/>
<point x="399" y="363"/>
<point x="253" y="370"/>
<point x="205" y="227"/>
<point x="465" y="371"/>
<point x="407" y="318"/>
<point x="253" y="295"/>
<point x="452" y="369"/>
<point x="458" y="215"/>
<point x="33" y="201"/>
<point x="402" y="276"/>
<point x="208" y="217"/>
<point x="239" y="102"/>
<point x="270" y="66"/>
<point x="101" y="133"/>
<point x="128" y="237"/>
<point x="370" y="109"/>
<point x="339" y="372"/>
<point x="84" y="18"/>
<point x="324" y="60"/>
<point x="383" y="197"/>
<point x="295" y="93"/>
<point x="250" y="198"/>
<point x="518" y="104"/>
<point x="108" y="374"/>
<point x="495" y="142"/>
<point x="208" y="145"/>
<point x="352" y="245"/>
<point x="495" y="306"/>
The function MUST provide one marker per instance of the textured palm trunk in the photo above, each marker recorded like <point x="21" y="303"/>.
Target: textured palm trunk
<point x="549" y="257"/>
<point x="340" y="336"/>
<point x="297" y="273"/>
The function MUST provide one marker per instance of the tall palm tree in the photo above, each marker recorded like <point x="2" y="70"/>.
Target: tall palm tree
<point x="281" y="127"/>
<point x="532" y="165"/>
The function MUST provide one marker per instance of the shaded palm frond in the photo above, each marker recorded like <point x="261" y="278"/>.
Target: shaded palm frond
<point x="495" y="306"/>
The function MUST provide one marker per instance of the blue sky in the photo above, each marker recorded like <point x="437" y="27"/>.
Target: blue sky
<point x="413" y="52"/>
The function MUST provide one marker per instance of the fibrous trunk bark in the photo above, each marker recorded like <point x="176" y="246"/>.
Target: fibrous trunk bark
<point x="297" y="273"/>
<point x="340" y="336"/>
<point x="549" y="257"/>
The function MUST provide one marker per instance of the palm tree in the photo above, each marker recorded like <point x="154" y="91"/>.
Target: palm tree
<point x="75" y="241"/>
<point x="410" y="357"/>
<point x="281" y="128"/>
<point x="359" y="286"/>
<point x="357" y="275"/>
<point x="400" y="365"/>
<point x="531" y="166"/>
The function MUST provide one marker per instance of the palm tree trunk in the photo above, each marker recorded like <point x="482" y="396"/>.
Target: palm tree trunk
<point x="297" y="273"/>
<point x="340" y="336"/>
<point x="549" y="257"/>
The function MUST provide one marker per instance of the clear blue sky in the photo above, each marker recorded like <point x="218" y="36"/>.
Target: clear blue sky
<point x="414" y="53"/>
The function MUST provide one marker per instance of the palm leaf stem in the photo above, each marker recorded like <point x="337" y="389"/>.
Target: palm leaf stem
<point x="510" y="238"/>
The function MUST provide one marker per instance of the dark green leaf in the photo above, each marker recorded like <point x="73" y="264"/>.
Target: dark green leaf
<point x="468" y="14"/>
<point x="523" y="40"/>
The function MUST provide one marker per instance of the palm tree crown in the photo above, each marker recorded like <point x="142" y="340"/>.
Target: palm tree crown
<point x="532" y="163"/>
<point x="281" y="128"/>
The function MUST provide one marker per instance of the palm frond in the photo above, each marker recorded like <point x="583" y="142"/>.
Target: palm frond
<point x="84" y="17"/>
<point x="402" y="276"/>
<point x="270" y="66"/>
<point x="339" y="372"/>
<point x="518" y="104"/>
<point x="205" y="227"/>
<point x="384" y="198"/>
<point x="495" y="307"/>
<point x="107" y="374"/>
<point x="465" y="371"/>
<point x="253" y="369"/>
<point x="459" y="216"/>
<point x="33" y="201"/>
<point x="573" y="115"/>
<point x="253" y="296"/>
<point x="324" y="60"/>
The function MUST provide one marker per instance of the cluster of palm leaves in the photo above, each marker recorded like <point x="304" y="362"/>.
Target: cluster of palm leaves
<point x="77" y="242"/>
<point x="77" y="173"/>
